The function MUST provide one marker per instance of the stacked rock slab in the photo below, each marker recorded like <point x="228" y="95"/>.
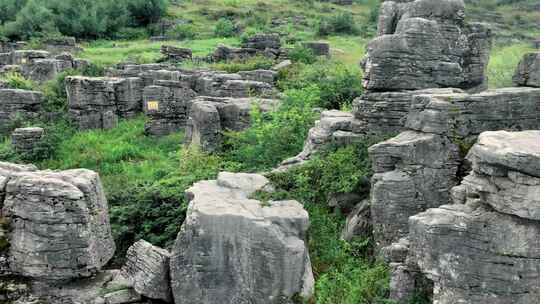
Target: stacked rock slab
<point x="98" y="102"/>
<point x="147" y="270"/>
<point x="18" y="104"/>
<point x="417" y="169"/>
<point x="209" y="117"/>
<point x="235" y="249"/>
<point x="425" y="44"/>
<point x="485" y="248"/>
<point x="59" y="223"/>
<point x="528" y="71"/>
<point x="26" y="140"/>
<point x="267" y="45"/>
<point x="167" y="106"/>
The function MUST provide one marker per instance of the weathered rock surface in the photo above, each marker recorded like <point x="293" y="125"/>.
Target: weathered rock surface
<point x="528" y="71"/>
<point x="484" y="249"/>
<point x="25" y="140"/>
<point x="358" y="222"/>
<point x="426" y="44"/>
<point x="167" y="107"/>
<point x="98" y="102"/>
<point x="267" y="45"/>
<point x="210" y="116"/>
<point x="233" y="249"/>
<point x="18" y="104"/>
<point x="417" y="169"/>
<point x="175" y="53"/>
<point x="147" y="269"/>
<point x="59" y="223"/>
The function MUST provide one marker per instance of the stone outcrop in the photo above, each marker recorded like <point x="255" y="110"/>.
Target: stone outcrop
<point x="59" y="222"/>
<point x="98" y="102"/>
<point x="26" y="140"/>
<point x="210" y="116"/>
<point x="417" y="169"/>
<point x="266" y="45"/>
<point x="235" y="249"/>
<point x="18" y="104"/>
<point x="426" y="44"/>
<point x="167" y="106"/>
<point x="318" y="48"/>
<point x="147" y="270"/>
<point x="528" y="71"/>
<point x="218" y="84"/>
<point x="484" y="248"/>
<point x="39" y="65"/>
<point x="176" y="53"/>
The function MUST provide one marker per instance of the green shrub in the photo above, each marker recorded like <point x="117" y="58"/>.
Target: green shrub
<point x="341" y="23"/>
<point x="224" y="28"/>
<point x="144" y="12"/>
<point x="302" y="54"/>
<point x="275" y="136"/>
<point x="339" y="85"/>
<point x="17" y="81"/>
<point x="182" y="32"/>
<point x="131" y="33"/>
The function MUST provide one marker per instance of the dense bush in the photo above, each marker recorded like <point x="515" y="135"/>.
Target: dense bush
<point x="338" y="84"/>
<point x="224" y="28"/>
<point x="15" y="80"/>
<point x="78" y="18"/>
<point x="182" y="32"/>
<point x="341" y="23"/>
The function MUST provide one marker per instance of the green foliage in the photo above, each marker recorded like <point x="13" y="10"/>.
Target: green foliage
<point x="302" y="54"/>
<point x="341" y="23"/>
<point x="503" y="62"/>
<point x="80" y="18"/>
<point x="182" y="32"/>
<point x="339" y="85"/>
<point x="17" y="81"/>
<point x="224" y="28"/>
<point x="276" y="135"/>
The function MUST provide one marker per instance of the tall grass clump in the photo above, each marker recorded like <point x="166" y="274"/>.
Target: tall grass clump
<point x="503" y="62"/>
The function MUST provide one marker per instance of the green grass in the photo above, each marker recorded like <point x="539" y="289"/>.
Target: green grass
<point x="503" y="63"/>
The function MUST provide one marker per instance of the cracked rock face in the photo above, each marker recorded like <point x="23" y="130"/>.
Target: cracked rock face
<point x="426" y="44"/>
<point x="59" y="222"/>
<point x="528" y="71"/>
<point x="233" y="249"/>
<point x="16" y="103"/>
<point x="147" y="269"/>
<point x="485" y="248"/>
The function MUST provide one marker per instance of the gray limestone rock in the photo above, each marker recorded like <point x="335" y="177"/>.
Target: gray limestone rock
<point x="167" y="107"/>
<point x="210" y="116"/>
<point x="25" y="140"/>
<point x="147" y="269"/>
<point x="528" y="71"/>
<point x="358" y="222"/>
<point x="175" y="53"/>
<point x="18" y="104"/>
<point x="59" y="223"/>
<point x="262" y="42"/>
<point x="426" y="44"/>
<point x="318" y="48"/>
<point x="235" y="249"/>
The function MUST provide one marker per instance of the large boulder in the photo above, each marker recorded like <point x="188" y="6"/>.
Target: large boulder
<point x="235" y="249"/>
<point x="26" y="140"/>
<point x="426" y="44"/>
<point x="485" y="248"/>
<point x="147" y="269"/>
<point x="58" y="222"/>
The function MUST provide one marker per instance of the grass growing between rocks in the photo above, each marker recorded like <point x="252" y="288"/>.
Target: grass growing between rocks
<point x="503" y="63"/>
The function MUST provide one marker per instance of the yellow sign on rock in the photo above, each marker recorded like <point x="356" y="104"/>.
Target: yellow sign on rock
<point x="152" y="105"/>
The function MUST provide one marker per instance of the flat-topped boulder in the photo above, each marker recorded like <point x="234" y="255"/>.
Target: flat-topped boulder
<point x="485" y="247"/>
<point x="236" y="249"/>
<point x="209" y="117"/>
<point x="426" y="44"/>
<point x="59" y="222"/>
<point x="528" y="71"/>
